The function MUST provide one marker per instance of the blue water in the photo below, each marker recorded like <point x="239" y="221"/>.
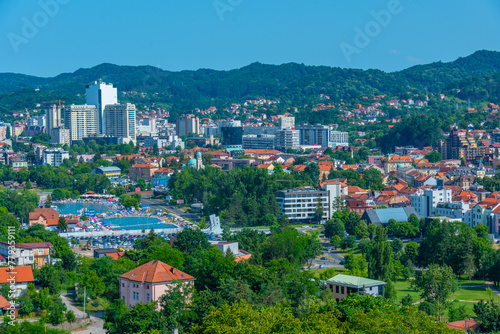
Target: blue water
<point x="135" y="223"/>
<point x="72" y="208"/>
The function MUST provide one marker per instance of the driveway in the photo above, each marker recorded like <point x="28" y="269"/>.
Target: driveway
<point x="96" y="325"/>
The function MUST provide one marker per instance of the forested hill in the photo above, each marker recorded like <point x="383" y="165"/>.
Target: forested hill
<point x="291" y="82"/>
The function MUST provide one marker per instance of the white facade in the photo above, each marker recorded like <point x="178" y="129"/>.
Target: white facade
<point x="338" y="138"/>
<point x="54" y="156"/>
<point x="452" y="209"/>
<point x="100" y="95"/>
<point x="187" y="124"/>
<point x="286" y="122"/>
<point x="300" y="204"/>
<point x="81" y="120"/>
<point x="425" y="202"/>
<point x="120" y="121"/>
<point x="61" y="136"/>
<point x="286" y="139"/>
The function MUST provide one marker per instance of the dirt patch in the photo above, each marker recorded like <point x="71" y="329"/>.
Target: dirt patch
<point x="79" y="323"/>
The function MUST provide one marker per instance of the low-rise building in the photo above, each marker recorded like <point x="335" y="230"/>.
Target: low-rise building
<point x="343" y="285"/>
<point x="35" y="254"/>
<point x="19" y="277"/>
<point x="147" y="283"/>
<point x="111" y="172"/>
<point x="142" y="171"/>
<point x="47" y="217"/>
<point x="54" y="156"/>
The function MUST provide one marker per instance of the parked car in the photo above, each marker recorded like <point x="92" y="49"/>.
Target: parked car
<point x="323" y="258"/>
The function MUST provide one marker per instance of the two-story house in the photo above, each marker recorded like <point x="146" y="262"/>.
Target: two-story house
<point x="18" y="276"/>
<point x="149" y="282"/>
<point x="47" y="217"/>
<point x="36" y="254"/>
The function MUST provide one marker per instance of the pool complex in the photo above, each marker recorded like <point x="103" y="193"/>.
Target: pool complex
<point x="135" y="223"/>
<point x="73" y="208"/>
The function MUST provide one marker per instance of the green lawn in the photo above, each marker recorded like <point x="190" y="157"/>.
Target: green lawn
<point x="317" y="271"/>
<point x="96" y="305"/>
<point x="470" y="294"/>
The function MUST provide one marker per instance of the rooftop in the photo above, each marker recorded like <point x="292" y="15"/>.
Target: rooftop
<point x="354" y="281"/>
<point x="156" y="272"/>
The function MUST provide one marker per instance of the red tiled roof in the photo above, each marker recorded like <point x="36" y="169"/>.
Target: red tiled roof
<point x="51" y="215"/>
<point x="464" y="325"/>
<point x="32" y="245"/>
<point x="21" y="274"/>
<point x="156" y="272"/>
<point x="116" y="255"/>
<point x="4" y="303"/>
<point x="143" y="166"/>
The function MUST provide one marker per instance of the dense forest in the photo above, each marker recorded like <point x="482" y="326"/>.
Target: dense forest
<point x="292" y="84"/>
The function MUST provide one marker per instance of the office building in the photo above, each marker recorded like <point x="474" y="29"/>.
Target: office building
<point x="287" y="139"/>
<point x="257" y="142"/>
<point x="81" y="120"/>
<point x="54" y="156"/>
<point x="100" y="95"/>
<point x="231" y="133"/>
<point x="300" y="204"/>
<point x="314" y="134"/>
<point x="187" y="124"/>
<point x="338" y="138"/>
<point x="120" y="122"/>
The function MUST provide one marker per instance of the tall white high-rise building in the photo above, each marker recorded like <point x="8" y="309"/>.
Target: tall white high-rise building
<point x="100" y="95"/>
<point x="81" y="120"/>
<point x="187" y="124"/>
<point x="120" y="121"/>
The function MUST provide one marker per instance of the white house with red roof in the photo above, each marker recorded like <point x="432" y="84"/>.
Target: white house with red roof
<point x="149" y="282"/>
<point x="18" y="276"/>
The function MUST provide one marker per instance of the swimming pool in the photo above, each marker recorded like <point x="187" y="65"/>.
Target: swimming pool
<point x="73" y="208"/>
<point x="135" y="223"/>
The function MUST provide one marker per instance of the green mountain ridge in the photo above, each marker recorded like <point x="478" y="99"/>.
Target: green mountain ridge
<point x="291" y="82"/>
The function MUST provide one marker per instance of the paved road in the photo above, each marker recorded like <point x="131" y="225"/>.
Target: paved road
<point x="96" y="325"/>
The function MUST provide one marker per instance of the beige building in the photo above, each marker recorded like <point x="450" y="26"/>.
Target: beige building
<point x="81" y="120"/>
<point x="343" y="285"/>
<point x="120" y="121"/>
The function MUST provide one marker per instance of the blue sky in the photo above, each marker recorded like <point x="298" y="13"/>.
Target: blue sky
<point x="227" y="34"/>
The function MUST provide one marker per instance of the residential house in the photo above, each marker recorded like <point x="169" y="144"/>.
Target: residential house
<point x="35" y="254"/>
<point x="239" y="254"/>
<point x="18" y="276"/>
<point x="47" y="217"/>
<point x="142" y="171"/>
<point x="343" y="285"/>
<point x="149" y="282"/>
<point x="392" y="163"/>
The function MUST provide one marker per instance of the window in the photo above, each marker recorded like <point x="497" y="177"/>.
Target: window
<point x="123" y="285"/>
<point x="337" y="289"/>
<point x="147" y="298"/>
<point x="337" y="300"/>
<point x="342" y="290"/>
<point x="147" y="287"/>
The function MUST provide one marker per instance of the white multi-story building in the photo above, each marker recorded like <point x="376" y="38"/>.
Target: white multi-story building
<point x="314" y="134"/>
<point x="36" y="121"/>
<point x="54" y="156"/>
<point x="286" y="122"/>
<point x="100" y="95"/>
<point x="452" y="209"/>
<point x="300" y="204"/>
<point x="425" y="202"/>
<point x="338" y="138"/>
<point x="81" y="120"/>
<point x="286" y="139"/>
<point x="120" y="122"/>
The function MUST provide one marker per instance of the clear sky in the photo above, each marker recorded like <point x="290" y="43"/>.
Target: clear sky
<point x="226" y="34"/>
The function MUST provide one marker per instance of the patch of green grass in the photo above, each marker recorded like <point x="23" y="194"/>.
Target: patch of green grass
<point x="404" y="288"/>
<point x="317" y="271"/>
<point x="468" y="307"/>
<point x="473" y="294"/>
<point x="95" y="305"/>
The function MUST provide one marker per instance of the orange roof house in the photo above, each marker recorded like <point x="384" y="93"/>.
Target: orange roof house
<point x="21" y="277"/>
<point x="44" y="216"/>
<point x="468" y="325"/>
<point x="149" y="282"/>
